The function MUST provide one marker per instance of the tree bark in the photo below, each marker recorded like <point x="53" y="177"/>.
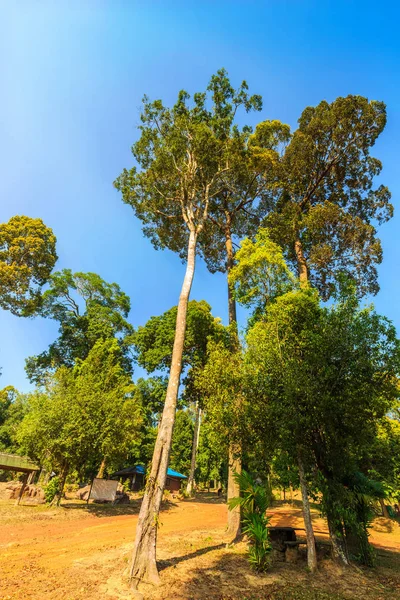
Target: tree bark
<point x="144" y="567"/>
<point x="229" y="265"/>
<point x="301" y="262"/>
<point x="234" y="465"/>
<point x="311" y="550"/>
<point x="102" y="468"/>
<point x="234" y="458"/>
<point x="338" y="549"/>
<point x="195" y="445"/>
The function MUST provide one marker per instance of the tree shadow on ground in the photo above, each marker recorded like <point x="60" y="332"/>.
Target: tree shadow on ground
<point x="230" y="578"/>
<point x="164" y="564"/>
<point x="384" y="525"/>
<point x="112" y="510"/>
<point x="207" y="498"/>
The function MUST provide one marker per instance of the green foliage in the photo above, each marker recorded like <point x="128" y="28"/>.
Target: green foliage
<point x="181" y="449"/>
<point x="13" y="407"/>
<point x="211" y="460"/>
<point x="52" y="489"/>
<point x="326" y="201"/>
<point x="254" y="501"/>
<point x="184" y="154"/>
<point x="321" y="378"/>
<point x="261" y="273"/>
<point x="220" y="385"/>
<point x="83" y="415"/>
<point x="153" y="342"/>
<point x="383" y="458"/>
<point x="27" y="257"/>
<point x="87" y="309"/>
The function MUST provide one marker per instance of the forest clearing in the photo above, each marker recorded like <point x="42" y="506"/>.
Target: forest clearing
<point x="75" y="553"/>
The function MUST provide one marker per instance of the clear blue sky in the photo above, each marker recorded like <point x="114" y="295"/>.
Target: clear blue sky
<point x="73" y="73"/>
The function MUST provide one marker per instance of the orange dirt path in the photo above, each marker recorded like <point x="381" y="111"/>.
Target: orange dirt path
<point x="57" y="544"/>
<point x="68" y="553"/>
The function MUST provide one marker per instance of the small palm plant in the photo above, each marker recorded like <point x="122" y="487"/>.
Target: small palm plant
<point x="254" y="501"/>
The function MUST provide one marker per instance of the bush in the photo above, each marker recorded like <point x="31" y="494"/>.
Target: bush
<point x="51" y="489"/>
<point x="254" y="502"/>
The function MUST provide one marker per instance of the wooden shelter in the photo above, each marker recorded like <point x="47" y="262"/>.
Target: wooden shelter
<point x="20" y="464"/>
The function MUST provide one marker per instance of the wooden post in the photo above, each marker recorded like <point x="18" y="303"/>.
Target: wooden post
<point x="24" y="482"/>
<point x="90" y="491"/>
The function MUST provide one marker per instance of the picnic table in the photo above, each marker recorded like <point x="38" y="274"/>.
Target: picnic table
<point x="284" y="543"/>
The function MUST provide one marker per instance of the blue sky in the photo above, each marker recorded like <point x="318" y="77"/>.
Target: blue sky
<point x="73" y="74"/>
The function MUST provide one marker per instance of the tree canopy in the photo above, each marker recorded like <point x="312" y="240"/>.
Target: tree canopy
<point x="27" y="257"/>
<point x="87" y="309"/>
<point x="326" y="207"/>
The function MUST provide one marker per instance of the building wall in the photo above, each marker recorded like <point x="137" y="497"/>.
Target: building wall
<point x="173" y="484"/>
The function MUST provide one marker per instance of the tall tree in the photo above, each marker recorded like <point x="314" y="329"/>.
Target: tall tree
<point x="236" y="211"/>
<point x="261" y="276"/>
<point x="87" y="309"/>
<point x="182" y="158"/>
<point x="326" y="207"/>
<point x="27" y="257"/>
<point x="322" y="378"/>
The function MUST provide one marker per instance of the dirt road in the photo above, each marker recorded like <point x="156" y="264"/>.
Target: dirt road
<point x="73" y="554"/>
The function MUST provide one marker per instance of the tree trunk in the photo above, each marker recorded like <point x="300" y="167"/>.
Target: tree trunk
<point x="311" y="551"/>
<point x="301" y="262"/>
<point x="57" y="498"/>
<point x="229" y="265"/>
<point x="102" y="468"/>
<point x="234" y="459"/>
<point x="234" y="465"/>
<point x="144" y="565"/>
<point x="338" y="549"/>
<point x="385" y="512"/>
<point x="195" y="445"/>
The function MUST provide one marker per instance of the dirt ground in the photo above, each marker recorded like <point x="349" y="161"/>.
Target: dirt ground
<point x="76" y="553"/>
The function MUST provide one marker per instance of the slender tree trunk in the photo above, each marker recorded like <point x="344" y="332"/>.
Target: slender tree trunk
<point x="311" y="550"/>
<point x="291" y="493"/>
<point x="57" y="498"/>
<point x="338" y="547"/>
<point x="234" y="466"/>
<point x="229" y="265"/>
<point x="195" y="445"/>
<point x="234" y="458"/>
<point x="102" y="468"/>
<point x="301" y="262"/>
<point x="144" y="565"/>
<point x="385" y="512"/>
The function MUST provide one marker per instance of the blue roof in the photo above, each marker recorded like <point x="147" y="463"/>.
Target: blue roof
<point x="142" y="471"/>
<point x="173" y="473"/>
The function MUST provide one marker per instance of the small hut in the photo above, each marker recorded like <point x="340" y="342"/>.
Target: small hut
<point x="136" y="476"/>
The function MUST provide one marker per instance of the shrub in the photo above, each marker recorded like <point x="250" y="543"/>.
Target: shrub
<point x="254" y="502"/>
<point x="51" y="489"/>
